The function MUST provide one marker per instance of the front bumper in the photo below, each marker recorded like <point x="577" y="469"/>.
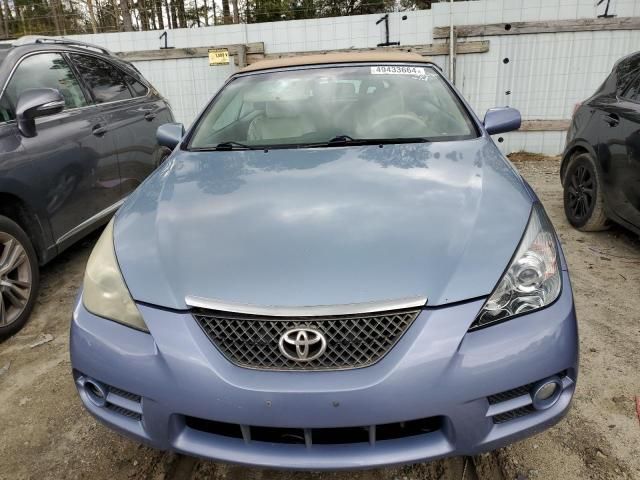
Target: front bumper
<point x="156" y="382"/>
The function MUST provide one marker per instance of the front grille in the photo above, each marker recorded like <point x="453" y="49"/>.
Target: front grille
<point x="353" y="341"/>
<point x="318" y="436"/>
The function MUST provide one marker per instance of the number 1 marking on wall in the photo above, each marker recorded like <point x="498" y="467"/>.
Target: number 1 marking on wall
<point x="166" y="39"/>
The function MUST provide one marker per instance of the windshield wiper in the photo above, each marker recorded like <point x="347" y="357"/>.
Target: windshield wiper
<point x="391" y="141"/>
<point x="337" y="141"/>
<point x="341" y="140"/>
<point x="231" y="145"/>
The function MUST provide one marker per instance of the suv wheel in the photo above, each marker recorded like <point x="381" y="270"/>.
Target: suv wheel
<point x="160" y="155"/>
<point x="19" y="277"/>
<point x="583" y="200"/>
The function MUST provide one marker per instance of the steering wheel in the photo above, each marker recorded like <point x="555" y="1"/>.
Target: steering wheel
<point x="402" y="123"/>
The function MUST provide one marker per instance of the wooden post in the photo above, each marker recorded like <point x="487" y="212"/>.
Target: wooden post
<point x="547" y="26"/>
<point x="254" y="52"/>
<point x="452" y="46"/>
<point x="453" y="49"/>
<point x="241" y="56"/>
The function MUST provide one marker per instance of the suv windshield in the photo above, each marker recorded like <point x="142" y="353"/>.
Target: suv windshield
<point x="320" y="106"/>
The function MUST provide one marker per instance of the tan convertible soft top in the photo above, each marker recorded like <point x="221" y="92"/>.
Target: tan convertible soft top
<point x="341" y="57"/>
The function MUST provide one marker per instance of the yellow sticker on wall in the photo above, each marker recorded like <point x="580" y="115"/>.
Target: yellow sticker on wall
<point x="218" y="56"/>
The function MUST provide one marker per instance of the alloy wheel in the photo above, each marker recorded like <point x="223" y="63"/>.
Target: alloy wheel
<point x="581" y="191"/>
<point x="15" y="279"/>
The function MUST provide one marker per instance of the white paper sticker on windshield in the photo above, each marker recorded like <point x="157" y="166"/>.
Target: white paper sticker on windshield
<point x="397" y="70"/>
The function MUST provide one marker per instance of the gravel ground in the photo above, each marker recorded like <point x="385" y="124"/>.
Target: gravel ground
<point x="45" y="433"/>
<point x="600" y="437"/>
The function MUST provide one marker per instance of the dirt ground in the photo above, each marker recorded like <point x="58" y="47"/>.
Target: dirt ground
<point x="45" y="433"/>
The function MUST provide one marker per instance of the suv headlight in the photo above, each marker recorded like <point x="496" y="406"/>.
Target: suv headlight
<point x="532" y="279"/>
<point x="105" y="294"/>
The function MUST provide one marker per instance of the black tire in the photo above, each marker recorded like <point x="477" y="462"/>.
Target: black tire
<point x="160" y="155"/>
<point x="583" y="199"/>
<point x="16" y="300"/>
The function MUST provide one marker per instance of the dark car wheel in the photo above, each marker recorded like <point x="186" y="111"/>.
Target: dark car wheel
<point x="583" y="201"/>
<point x="19" y="277"/>
<point x="160" y="155"/>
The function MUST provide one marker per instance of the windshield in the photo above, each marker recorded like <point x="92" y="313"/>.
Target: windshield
<point x="315" y="105"/>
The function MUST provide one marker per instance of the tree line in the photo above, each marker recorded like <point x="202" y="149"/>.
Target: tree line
<point x="66" y="17"/>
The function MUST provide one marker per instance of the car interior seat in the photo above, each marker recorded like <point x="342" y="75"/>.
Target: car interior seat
<point x="281" y="120"/>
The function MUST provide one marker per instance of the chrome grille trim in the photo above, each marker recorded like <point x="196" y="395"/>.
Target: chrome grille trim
<point x="353" y="341"/>
<point x="306" y="311"/>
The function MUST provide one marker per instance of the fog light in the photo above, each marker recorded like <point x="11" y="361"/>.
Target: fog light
<point x="95" y="391"/>
<point x="546" y="393"/>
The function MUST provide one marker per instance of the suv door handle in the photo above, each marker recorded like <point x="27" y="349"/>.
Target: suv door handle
<point x="612" y="119"/>
<point x="98" y="130"/>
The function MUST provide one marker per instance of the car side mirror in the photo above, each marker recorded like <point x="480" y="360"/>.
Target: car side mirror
<point x="34" y="103"/>
<point x="170" y="134"/>
<point x="501" y="120"/>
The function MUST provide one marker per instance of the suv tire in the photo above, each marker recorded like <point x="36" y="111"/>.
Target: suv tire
<point x="19" y="277"/>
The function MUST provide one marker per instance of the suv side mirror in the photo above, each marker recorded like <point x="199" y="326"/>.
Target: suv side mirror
<point x="170" y="134"/>
<point x="34" y="103"/>
<point x="501" y="119"/>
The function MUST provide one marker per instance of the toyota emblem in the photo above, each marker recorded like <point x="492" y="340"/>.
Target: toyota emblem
<point x="302" y="344"/>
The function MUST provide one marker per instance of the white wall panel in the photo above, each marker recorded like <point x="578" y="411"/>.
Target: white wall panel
<point x="546" y="74"/>
<point x="187" y="83"/>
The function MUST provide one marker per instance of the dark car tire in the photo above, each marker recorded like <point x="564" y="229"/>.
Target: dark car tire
<point x="16" y="312"/>
<point x="160" y="155"/>
<point x="583" y="199"/>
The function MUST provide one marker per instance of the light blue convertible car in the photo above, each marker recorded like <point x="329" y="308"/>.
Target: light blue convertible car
<point x="335" y="268"/>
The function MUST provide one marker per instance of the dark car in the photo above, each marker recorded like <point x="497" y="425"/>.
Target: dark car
<point x="600" y="168"/>
<point x="77" y="135"/>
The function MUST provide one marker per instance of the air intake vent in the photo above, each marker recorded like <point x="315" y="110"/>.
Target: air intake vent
<point x="124" y="403"/>
<point x="123" y="411"/>
<point x="318" y="436"/>
<point x="513" y="414"/>
<point x="121" y="393"/>
<point x="509" y="394"/>
<point x="116" y="400"/>
<point x="518" y="402"/>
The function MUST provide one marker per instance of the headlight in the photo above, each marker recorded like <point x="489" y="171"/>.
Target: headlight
<point x="105" y="293"/>
<point x="533" y="278"/>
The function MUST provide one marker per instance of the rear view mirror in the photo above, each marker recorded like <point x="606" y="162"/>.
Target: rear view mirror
<point x="501" y="120"/>
<point x="169" y="135"/>
<point x="34" y="103"/>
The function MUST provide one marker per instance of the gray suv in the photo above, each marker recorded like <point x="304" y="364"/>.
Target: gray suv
<point x="77" y="135"/>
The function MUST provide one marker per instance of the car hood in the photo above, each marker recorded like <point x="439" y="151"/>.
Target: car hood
<point x="323" y="226"/>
